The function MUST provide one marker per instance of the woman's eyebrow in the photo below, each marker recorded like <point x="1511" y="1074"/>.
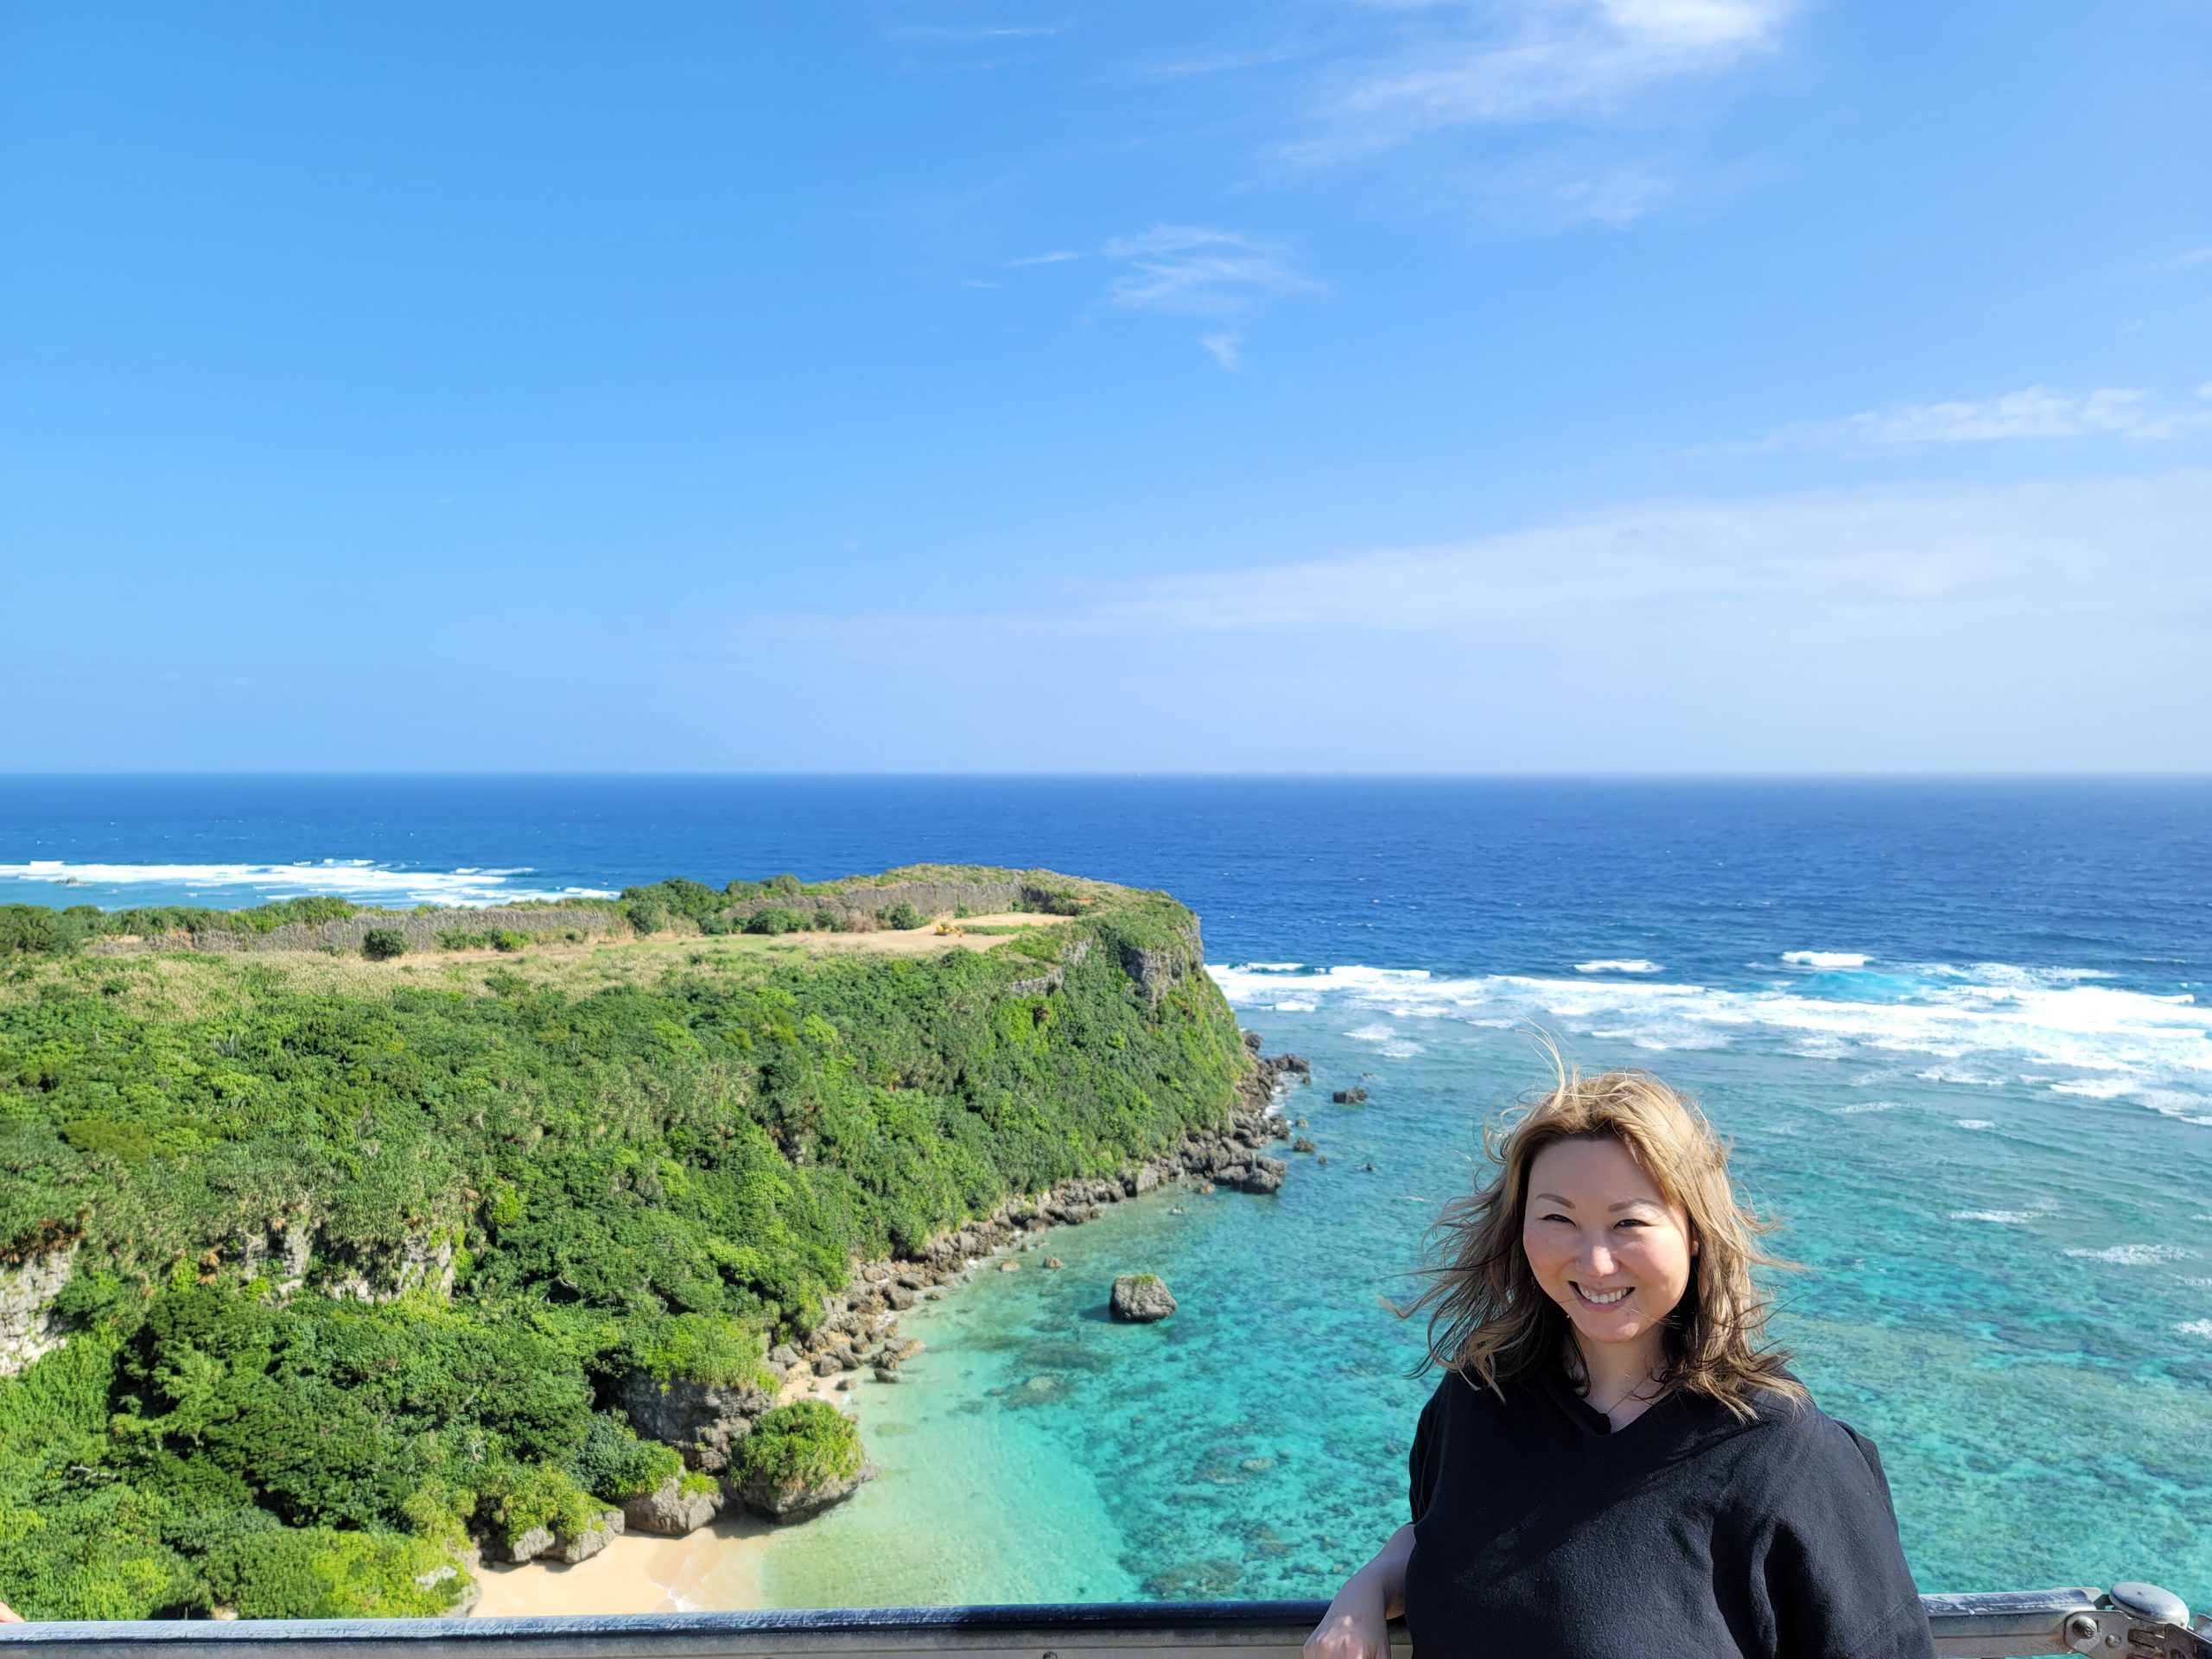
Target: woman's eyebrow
<point x="1610" y="1209"/>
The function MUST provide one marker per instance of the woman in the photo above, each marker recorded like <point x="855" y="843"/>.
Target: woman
<point x="1613" y="1464"/>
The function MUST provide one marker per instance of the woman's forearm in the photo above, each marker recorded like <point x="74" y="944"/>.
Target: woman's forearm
<point x="1385" y="1576"/>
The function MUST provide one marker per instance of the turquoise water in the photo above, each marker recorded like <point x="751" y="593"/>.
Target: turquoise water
<point x="2009" y="1289"/>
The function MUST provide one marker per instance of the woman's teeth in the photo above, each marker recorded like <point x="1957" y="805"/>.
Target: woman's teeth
<point x="1603" y="1298"/>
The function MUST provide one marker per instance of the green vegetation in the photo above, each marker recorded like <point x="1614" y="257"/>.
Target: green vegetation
<point x="902" y="915"/>
<point x="384" y="943"/>
<point x="519" y="1189"/>
<point x="34" y="931"/>
<point x="807" y="1443"/>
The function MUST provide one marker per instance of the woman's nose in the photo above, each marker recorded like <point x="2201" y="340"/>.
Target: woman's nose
<point x="1598" y="1261"/>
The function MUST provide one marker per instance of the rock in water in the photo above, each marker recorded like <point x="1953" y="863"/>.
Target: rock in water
<point x="1349" y="1098"/>
<point x="1140" y="1297"/>
<point x="670" y="1511"/>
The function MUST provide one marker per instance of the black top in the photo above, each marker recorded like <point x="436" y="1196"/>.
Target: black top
<point x="1539" y="1528"/>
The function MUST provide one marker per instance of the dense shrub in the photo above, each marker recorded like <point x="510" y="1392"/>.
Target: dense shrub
<point x="808" y="1442"/>
<point x="902" y="915"/>
<point x="383" y="944"/>
<point x="613" y="1464"/>
<point x="773" y="919"/>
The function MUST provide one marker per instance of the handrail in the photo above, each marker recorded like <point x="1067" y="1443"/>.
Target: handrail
<point x="2129" y="1622"/>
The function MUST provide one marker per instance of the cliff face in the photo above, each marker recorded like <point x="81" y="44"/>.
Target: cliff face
<point x="28" y="1328"/>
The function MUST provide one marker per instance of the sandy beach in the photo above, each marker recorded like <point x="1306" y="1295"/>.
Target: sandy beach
<point x="715" y="1569"/>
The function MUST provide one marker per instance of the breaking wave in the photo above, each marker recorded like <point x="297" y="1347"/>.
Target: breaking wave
<point x="233" y="886"/>
<point x="1990" y="1025"/>
<point x="1824" y="958"/>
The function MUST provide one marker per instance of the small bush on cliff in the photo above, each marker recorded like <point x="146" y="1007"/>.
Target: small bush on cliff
<point x="383" y="944"/>
<point x="612" y="1463"/>
<point x="902" y="915"/>
<point x="519" y="1496"/>
<point x="706" y="1348"/>
<point x="773" y="919"/>
<point x="807" y="1443"/>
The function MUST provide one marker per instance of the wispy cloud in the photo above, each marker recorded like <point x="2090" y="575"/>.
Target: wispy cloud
<point x="1549" y="61"/>
<point x="969" y="36"/>
<point x="1234" y="59"/>
<point x="1227" y="346"/>
<point x="1190" y="269"/>
<point x="2031" y="412"/>
<point x="2056" y="625"/>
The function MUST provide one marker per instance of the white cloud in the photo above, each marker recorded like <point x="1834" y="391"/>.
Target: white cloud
<point x="2048" y="626"/>
<point x="2031" y="412"/>
<point x="1190" y="269"/>
<point x="1227" y="346"/>
<point x="1890" y="551"/>
<point x="1551" y="61"/>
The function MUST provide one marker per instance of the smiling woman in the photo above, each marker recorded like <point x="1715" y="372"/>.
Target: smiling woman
<point x="1609" y="1415"/>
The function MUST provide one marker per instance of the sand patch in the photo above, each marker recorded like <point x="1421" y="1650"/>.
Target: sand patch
<point x="713" y="1570"/>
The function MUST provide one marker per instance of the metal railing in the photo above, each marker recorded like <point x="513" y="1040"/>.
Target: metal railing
<point x="2130" y="1621"/>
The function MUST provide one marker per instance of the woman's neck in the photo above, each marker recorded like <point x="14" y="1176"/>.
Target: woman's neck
<point x="1615" y="1370"/>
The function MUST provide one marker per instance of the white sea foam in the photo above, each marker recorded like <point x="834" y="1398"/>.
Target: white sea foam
<point x="1824" y="958"/>
<point x="347" y="878"/>
<point x="1401" y="1051"/>
<point x="2195" y="1328"/>
<point x="1274" y="967"/>
<point x="2135" y="1255"/>
<point x="1859" y="1106"/>
<point x="1295" y="1005"/>
<point x="2095" y="1088"/>
<point x="1372" y="1034"/>
<point x="1625" y="965"/>
<point x="2001" y="1217"/>
<point x="1975" y="1123"/>
<point x="1983" y="1030"/>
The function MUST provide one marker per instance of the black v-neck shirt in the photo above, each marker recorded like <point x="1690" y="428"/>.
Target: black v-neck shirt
<point x="1540" y="1528"/>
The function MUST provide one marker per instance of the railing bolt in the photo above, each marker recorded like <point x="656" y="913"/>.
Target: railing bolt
<point x="2081" y="1632"/>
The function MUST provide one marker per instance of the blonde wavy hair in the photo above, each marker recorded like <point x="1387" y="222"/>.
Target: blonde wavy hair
<point x="1490" y="1321"/>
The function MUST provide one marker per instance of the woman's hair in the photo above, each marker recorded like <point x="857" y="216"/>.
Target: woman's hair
<point x="1489" y="1319"/>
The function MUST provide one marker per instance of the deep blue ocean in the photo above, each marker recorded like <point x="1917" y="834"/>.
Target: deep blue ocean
<point x="1960" y="1034"/>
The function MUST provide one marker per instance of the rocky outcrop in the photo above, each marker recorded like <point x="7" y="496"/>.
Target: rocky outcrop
<point x="700" y="1419"/>
<point x="1141" y="1299"/>
<point x="796" y="1501"/>
<point x="605" y="1528"/>
<point x="523" y="1546"/>
<point x="279" y="1253"/>
<point x="1349" y="1098"/>
<point x="28" y="1325"/>
<point x="1153" y="968"/>
<point x="465" y="1590"/>
<point x="670" y="1511"/>
<point x="424" y="1262"/>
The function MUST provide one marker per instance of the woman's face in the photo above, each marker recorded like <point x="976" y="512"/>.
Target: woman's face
<point x="1603" y="1243"/>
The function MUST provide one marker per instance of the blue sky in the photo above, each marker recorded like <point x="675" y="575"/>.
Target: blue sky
<point x="1615" y="386"/>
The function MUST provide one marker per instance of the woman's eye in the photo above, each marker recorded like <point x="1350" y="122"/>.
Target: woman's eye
<point x="1630" y="1221"/>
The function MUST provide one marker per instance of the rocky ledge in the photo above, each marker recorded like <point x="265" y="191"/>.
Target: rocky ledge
<point x="861" y="1329"/>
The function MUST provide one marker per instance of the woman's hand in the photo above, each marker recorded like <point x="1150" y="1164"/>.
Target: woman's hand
<point x="9" y="1615"/>
<point x="1354" y="1627"/>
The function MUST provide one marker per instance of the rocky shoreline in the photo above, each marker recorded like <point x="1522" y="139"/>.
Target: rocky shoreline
<point x="859" y="1328"/>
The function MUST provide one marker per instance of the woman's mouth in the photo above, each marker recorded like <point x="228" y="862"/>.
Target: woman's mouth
<point x="1611" y="1298"/>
